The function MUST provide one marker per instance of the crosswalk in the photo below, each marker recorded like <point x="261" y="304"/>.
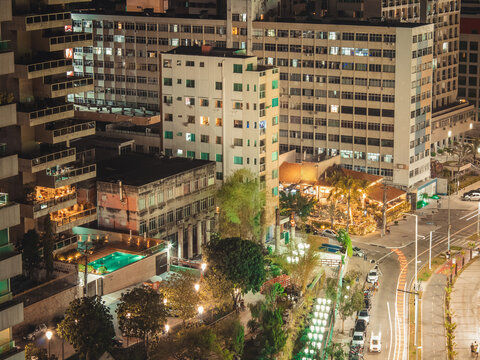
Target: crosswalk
<point x="460" y="239"/>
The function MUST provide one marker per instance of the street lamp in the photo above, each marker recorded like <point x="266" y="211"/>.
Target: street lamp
<point x="167" y="327"/>
<point x="49" y="335"/>
<point x="197" y="287"/>
<point x="203" y="266"/>
<point x="200" y="312"/>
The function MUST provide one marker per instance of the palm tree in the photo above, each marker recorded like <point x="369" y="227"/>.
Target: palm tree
<point x="463" y="152"/>
<point x="348" y="186"/>
<point x="363" y="188"/>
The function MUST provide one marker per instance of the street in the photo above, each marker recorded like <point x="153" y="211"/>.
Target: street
<point x="397" y="250"/>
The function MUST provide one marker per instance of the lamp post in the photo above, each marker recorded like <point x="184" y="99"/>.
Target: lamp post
<point x="478" y="219"/>
<point x="200" y="312"/>
<point x="416" y="269"/>
<point x="430" y="252"/>
<point x="49" y="335"/>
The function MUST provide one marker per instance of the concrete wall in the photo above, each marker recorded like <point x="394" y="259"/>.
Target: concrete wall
<point x="117" y="117"/>
<point x="44" y="310"/>
<point x="129" y="275"/>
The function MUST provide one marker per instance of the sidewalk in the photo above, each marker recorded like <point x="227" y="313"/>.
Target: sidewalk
<point x="433" y="329"/>
<point x="465" y="303"/>
<point x="400" y="235"/>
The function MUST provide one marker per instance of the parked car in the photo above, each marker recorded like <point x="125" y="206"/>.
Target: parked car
<point x="38" y="330"/>
<point x="368" y="303"/>
<point x="357" y="251"/>
<point x="364" y="315"/>
<point x="474" y="196"/>
<point x="358" y="339"/>
<point x="376" y="342"/>
<point x="372" y="276"/>
<point x="360" y="326"/>
<point x="329" y="233"/>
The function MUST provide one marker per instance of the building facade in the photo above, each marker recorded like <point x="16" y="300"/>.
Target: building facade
<point x="219" y="105"/>
<point x="171" y="199"/>
<point x="42" y="125"/>
<point x="322" y="68"/>
<point x="11" y="311"/>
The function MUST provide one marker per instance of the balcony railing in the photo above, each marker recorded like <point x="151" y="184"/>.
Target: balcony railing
<point x="44" y="114"/>
<point x="38" y="163"/>
<point x="69" y="177"/>
<point x="42" y="21"/>
<point x="41" y="205"/>
<point x="36" y="68"/>
<point x="74" y="128"/>
<point x="63" y="41"/>
<point x="68" y="86"/>
<point x="76" y="219"/>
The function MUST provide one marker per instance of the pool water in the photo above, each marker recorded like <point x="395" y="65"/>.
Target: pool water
<point x="115" y="261"/>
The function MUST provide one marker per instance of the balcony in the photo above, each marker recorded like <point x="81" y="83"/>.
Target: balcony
<point x="66" y="130"/>
<point x="9" y="212"/>
<point x="66" y="176"/>
<point x="34" y="22"/>
<point x="63" y="222"/>
<point x="9" y="351"/>
<point x="49" y="158"/>
<point x="10" y="262"/>
<point x="8" y="163"/>
<point x="61" y="2"/>
<point x="7" y="65"/>
<point x="6" y="13"/>
<point x="8" y="114"/>
<point x="11" y="313"/>
<point x="38" y="209"/>
<point x="61" y="41"/>
<point x="43" y="112"/>
<point x="66" y="86"/>
<point x="35" y="68"/>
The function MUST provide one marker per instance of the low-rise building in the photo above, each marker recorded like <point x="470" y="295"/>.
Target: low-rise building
<point x="170" y="199"/>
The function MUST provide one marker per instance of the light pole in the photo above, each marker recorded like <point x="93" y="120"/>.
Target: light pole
<point x="415" y="283"/>
<point x="200" y="312"/>
<point x="49" y="335"/>
<point x="478" y="219"/>
<point x="430" y="252"/>
<point x="449" y="225"/>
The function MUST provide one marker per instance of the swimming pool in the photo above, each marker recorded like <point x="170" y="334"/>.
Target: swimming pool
<point x="115" y="261"/>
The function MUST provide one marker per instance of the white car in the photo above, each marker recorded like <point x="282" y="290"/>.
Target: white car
<point x="376" y="342"/>
<point x="364" y="315"/>
<point x="372" y="276"/>
<point x="329" y="233"/>
<point x="472" y="197"/>
<point x="357" y="251"/>
<point x="358" y="339"/>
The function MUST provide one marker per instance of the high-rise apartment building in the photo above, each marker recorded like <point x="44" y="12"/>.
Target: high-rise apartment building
<point x="220" y="105"/>
<point x="451" y="117"/>
<point x="342" y="85"/>
<point x="11" y="312"/>
<point x="40" y="131"/>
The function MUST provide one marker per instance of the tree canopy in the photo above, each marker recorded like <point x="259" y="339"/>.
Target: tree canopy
<point x="141" y="312"/>
<point x="241" y="204"/>
<point x="297" y="203"/>
<point x="240" y="260"/>
<point x="88" y="327"/>
<point x="344" y="238"/>
<point x="179" y="290"/>
<point x="30" y="253"/>
<point x="35" y="353"/>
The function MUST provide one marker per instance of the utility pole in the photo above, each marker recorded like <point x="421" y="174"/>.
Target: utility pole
<point x="430" y="253"/>
<point x="449" y="224"/>
<point x="384" y="211"/>
<point x="478" y="219"/>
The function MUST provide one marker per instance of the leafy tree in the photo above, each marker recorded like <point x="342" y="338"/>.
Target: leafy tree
<point x="296" y="202"/>
<point x="215" y="290"/>
<point x="233" y="334"/>
<point x="302" y="273"/>
<point x="336" y="351"/>
<point x="30" y="254"/>
<point x="141" y="313"/>
<point x="241" y="204"/>
<point x="351" y="297"/>
<point x="34" y="353"/>
<point x="179" y="290"/>
<point x="272" y="337"/>
<point x="88" y="327"/>
<point x="48" y="239"/>
<point x="241" y="261"/>
<point x="344" y="239"/>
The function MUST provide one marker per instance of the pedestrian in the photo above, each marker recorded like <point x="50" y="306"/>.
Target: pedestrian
<point x="365" y="257"/>
<point x="472" y="348"/>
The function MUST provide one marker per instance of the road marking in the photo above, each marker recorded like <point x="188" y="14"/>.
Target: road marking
<point x="390" y="323"/>
<point x="467" y="215"/>
<point x="473" y="216"/>
<point x="400" y="306"/>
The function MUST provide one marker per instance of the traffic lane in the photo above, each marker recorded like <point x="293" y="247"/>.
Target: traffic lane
<point x="382" y="314"/>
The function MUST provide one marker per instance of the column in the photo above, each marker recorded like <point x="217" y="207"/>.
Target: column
<point x="190" y="241"/>
<point x="207" y="231"/>
<point x="199" y="237"/>
<point x="180" y="242"/>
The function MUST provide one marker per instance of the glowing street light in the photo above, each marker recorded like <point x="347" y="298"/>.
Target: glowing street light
<point x="164" y="301"/>
<point x="167" y="327"/>
<point x="200" y="310"/>
<point x="203" y="266"/>
<point x="49" y="335"/>
<point x="197" y="287"/>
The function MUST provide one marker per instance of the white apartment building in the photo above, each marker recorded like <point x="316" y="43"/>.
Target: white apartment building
<point x="219" y="105"/>
<point x="338" y="81"/>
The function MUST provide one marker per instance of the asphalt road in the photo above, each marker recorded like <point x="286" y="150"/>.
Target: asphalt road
<point x="389" y="313"/>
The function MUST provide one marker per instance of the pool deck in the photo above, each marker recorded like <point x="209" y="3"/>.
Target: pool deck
<point x="110" y="249"/>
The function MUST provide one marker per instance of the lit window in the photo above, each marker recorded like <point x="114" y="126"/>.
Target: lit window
<point x="204" y="120"/>
<point x="334" y="108"/>
<point x="190" y="137"/>
<point x="108" y="51"/>
<point x="218" y="121"/>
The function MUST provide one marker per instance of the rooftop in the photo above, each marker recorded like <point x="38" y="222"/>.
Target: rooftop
<point x="138" y="169"/>
<point x="207" y="50"/>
